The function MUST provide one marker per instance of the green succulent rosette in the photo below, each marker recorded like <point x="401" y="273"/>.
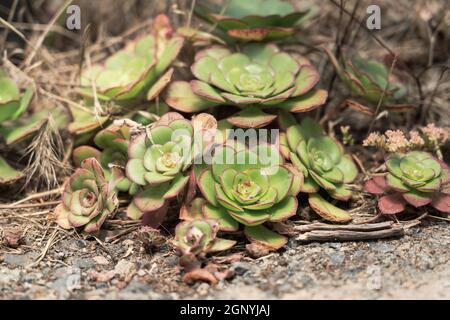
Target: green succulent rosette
<point x="252" y="186"/>
<point x="415" y="178"/>
<point x="87" y="199"/>
<point x="158" y="161"/>
<point x="259" y="78"/>
<point x="199" y="236"/>
<point x="112" y="150"/>
<point x="138" y="70"/>
<point x="257" y="20"/>
<point x="321" y="159"/>
<point x="370" y="80"/>
<point x="324" y="164"/>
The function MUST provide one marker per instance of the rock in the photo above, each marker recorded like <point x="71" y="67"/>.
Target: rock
<point x="382" y="247"/>
<point x="101" y="260"/>
<point x="203" y="289"/>
<point x="241" y="268"/>
<point x="84" y="263"/>
<point x="81" y="244"/>
<point x="336" y="258"/>
<point x="20" y="260"/>
<point x="124" y="268"/>
<point x="7" y="276"/>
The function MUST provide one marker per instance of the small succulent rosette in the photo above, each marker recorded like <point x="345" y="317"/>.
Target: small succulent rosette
<point x="259" y="78"/>
<point x="87" y="199"/>
<point x="370" y="80"/>
<point x="142" y="68"/>
<point x="250" y="186"/>
<point x="415" y="178"/>
<point x="197" y="237"/>
<point x="256" y="20"/>
<point x="112" y="150"/>
<point x="159" y="161"/>
<point x="324" y="164"/>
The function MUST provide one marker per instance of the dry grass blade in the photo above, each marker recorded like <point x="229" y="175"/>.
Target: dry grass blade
<point x="45" y="154"/>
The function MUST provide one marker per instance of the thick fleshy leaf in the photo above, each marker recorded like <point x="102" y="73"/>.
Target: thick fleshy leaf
<point x="307" y="78"/>
<point x="7" y="173"/>
<point x="150" y="199"/>
<point x="62" y="217"/>
<point x="226" y="222"/>
<point x="176" y="186"/>
<point x="160" y="85"/>
<point x="250" y="218"/>
<point x="84" y="152"/>
<point x="396" y="184"/>
<point x="251" y="118"/>
<point x="137" y="147"/>
<point x="133" y="212"/>
<point x="219" y="245"/>
<point x="181" y="97"/>
<point x="240" y="100"/>
<point x="392" y="204"/>
<point x="328" y="211"/>
<point x="310" y="186"/>
<point x="342" y="193"/>
<point x="442" y="203"/>
<point x="136" y="171"/>
<point x="22" y="129"/>
<point x="206" y="91"/>
<point x="284" y="210"/>
<point x="265" y="237"/>
<point x="206" y="185"/>
<point x="393" y="166"/>
<point x="377" y="185"/>
<point x="417" y="198"/>
<point x="307" y="102"/>
<point x="348" y="168"/>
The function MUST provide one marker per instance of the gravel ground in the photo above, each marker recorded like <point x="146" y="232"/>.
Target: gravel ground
<point x="416" y="266"/>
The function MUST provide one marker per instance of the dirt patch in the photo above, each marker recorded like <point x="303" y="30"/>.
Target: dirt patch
<point x="415" y="266"/>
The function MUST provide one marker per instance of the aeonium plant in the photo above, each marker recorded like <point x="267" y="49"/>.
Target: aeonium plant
<point x="159" y="161"/>
<point x="372" y="82"/>
<point x="257" y="20"/>
<point x="140" y="69"/>
<point x="88" y="199"/>
<point x="250" y="186"/>
<point x="257" y="79"/>
<point x="198" y="237"/>
<point x="414" y="178"/>
<point x="323" y="162"/>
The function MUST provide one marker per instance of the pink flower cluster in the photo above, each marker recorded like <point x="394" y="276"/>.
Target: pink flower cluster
<point x="429" y="137"/>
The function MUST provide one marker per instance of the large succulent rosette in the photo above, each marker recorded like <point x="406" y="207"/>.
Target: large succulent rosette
<point x="251" y="186"/>
<point x="258" y="78"/>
